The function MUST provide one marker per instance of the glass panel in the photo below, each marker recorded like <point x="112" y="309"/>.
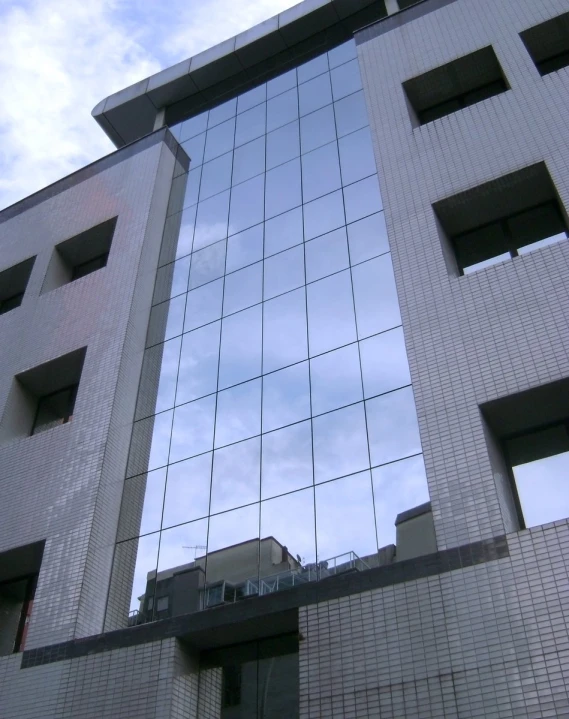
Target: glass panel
<point x="331" y="320"/>
<point x="287" y="460"/>
<point x="230" y="528"/>
<point x="290" y="520"/>
<point x="341" y="54"/>
<point x="141" y="509"/>
<point x="284" y="272"/>
<point x="240" y="347"/>
<point x="192" y="432"/>
<point x="249" y="161"/>
<point x="362" y="199"/>
<point x="247" y="204"/>
<point x="384" y="363"/>
<point x="320" y="172"/>
<point x="283" y="188"/>
<point x="193" y="126"/>
<point x="193" y="187"/>
<point x="243" y="288"/>
<point x="198" y="363"/>
<point x="314" y="94"/>
<point x="211" y="221"/>
<point x="177" y="545"/>
<point x="345" y="522"/>
<point x="238" y="413"/>
<point x="542" y="489"/>
<point x="351" y="114"/>
<point x="282" y="109"/>
<point x="244" y="248"/>
<point x="326" y="254"/>
<point x="283" y="145"/>
<point x="367" y="238"/>
<point x="195" y="149"/>
<point x="283" y="232"/>
<point x="397" y="487"/>
<point x="335" y="379"/>
<point x="392" y="426"/>
<point x="284" y="331"/>
<point x="249" y="99"/>
<point x="286" y="396"/>
<point x="340" y="444"/>
<point x="356" y="156"/>
<point x="317" y="129"/>
<point x="203" y="305"/>
<point x="280" y="84"/>
<point x="207" y="264"/>
<point x="149" y="444"/>
<point x="222" y="112"/>
<point x="216" y="176"/>
<point x="166" y="320"/>
<point x="323" y="215"/>
<point x="219" y="140"/>
<point x="346" y="79"/>
<point x="143" y="553"/>
<point x="313" y="68"/>
<point x="186" y="231"/>
<point x="187" y="490"/>
<point x="236" y="475"/>
<point x="250" y="124"/>
<point x="160" y="363"/>
<point x="375" y="295"/>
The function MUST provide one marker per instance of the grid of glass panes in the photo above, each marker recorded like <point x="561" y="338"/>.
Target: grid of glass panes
<point x="284" y="406"/>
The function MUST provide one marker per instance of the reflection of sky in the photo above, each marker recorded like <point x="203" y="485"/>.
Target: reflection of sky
<point x="543" y="489"/>
<point x="268" y="221"/>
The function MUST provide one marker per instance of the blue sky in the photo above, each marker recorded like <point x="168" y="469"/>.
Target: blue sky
<point x="58" y="58"/>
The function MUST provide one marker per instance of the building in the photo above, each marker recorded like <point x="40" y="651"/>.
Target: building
<point x="284" y="381"/>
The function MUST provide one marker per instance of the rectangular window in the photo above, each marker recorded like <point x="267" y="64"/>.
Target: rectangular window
<point x="548" y="44"/>
<point x="54" y="409"/>
<point x="13" y="283"/>
<point x="456" y="85"/>
<point x="231" y="687"/>
<point x="501" y="219"/>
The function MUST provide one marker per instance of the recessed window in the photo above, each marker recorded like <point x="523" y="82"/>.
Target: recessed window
<point x="454" y="86"/>
<point x="548" y="44"/>
<point x="80" y="255"/>
<point x="13" y="283"/>
<point x="161" y="604"/>
<point x="231" y="686"/>
<point x="513" y="215"/>
<point x="55" y="408"/>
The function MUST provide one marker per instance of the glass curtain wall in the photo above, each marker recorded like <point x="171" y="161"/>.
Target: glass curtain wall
<point x="285" y="407"/>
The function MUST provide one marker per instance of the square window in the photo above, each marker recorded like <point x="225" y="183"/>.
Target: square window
<point x="458" y="84"/>
<point x="13" y="283"/>
<point x="80" y="255"/>
<point x="548" y="44"/>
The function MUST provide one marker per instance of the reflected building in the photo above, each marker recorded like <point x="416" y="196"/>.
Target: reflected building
<point x="284" y="424"/>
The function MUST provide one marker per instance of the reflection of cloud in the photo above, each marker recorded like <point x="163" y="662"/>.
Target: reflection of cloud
<point x="286" y="396"/>
<point x="287" y="460"/>
<point x="198" y="363"/>
<point x="290" y="520"/>
<point x="187" y="490"/>
<point x="238" y="413"/>
<point x="192" y="431"/>
<point x="236" y="475"/>
<point x="340" y="443"/>
<point x="392" y="426"/>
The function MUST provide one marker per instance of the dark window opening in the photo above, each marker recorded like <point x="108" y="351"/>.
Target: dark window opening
<point x="502" y="219"/>
<point x="54" y="409"/>
<point x="548" y="44"/>
<point x="231" y="686"/>
<point x="85" y="268"/>
<point x="13" y="283"/>
<point x="162" y="604"/>
<point x="456" y="85"/>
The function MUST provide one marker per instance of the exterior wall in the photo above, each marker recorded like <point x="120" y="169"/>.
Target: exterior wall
<point x="498" y="331"/>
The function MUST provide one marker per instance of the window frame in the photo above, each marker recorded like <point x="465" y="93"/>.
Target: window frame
<point x="66" y="417"/>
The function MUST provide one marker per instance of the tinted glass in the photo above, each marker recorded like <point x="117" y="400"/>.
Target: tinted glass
<point x="283" y="145"/>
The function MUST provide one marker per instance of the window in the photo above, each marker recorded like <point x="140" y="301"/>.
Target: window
<point x="80" y="255"/>
<point x="231" y="688"/>
<point x="13" y="283"/>
<point x="501" y="219"/>
<point x="548" y="44"/>
<point x="161" y="604"/>
<point x="54" y="408"/>
<point x="458" y="84"/>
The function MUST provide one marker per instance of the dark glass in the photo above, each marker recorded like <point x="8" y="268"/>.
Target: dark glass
<point x="287" y="460"/>
<point x="283" y="232"/>
<point x="282" y="191"/>
<point x="54" y="409"/>
<point x="282" y="83"/>
<point x="351" y="113"/>
<point x="356" y="156"/>
<point x="244" y="248"/>
<point x="375" y="296"/>
<point x="314" y="94"/>
<point x="238" y="413"/>
<point x="198" y="363"/>
<point x="286" y="396"/>
<point x="187" y="490"/>
<point x="10" y="303"/>
<point x="195" y="148"/>
<point x="81" y="270"/>
<point x="340" y="444"/>
<point x="320" y="172"/>
<point x="284" y="330"/>
<point x="392" y="426"/>
<point x="384" y="363"/>
<point x="247" y="204"/>
<point x="203" y="305"/>
<point x="193" y="126"/>
<point x="284" y="272"/>
<point x="219" y="140"/>
<point x="243" y="288"/>
<point x="362" y="199"/>
<point x="222" y="112"/>
<point x="367" y="238"/>
<point x="252" y="98"/>
<point x="326" y="254"/>
<point x="323" y="215"/>
<point x="207" y="264"/>
<point x="240" y="347"/>
<point x="236" y="475"/>
<point x="346" y="79"/>
<point x="317" y="129"/>
<point x="335" y="379"/>
<point x="250" y="125"/>
<point x="192" y="431"/>
<point x="283" y="145"/>
<point x="211" y="220"/>
<point x="249" y="161"/>
<point x="216" y="176"/>
<point x="282" y="109"/>
<point x="331" y="319"/>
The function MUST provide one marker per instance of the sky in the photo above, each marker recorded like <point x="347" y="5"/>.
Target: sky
<point x="59" y="58"/>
